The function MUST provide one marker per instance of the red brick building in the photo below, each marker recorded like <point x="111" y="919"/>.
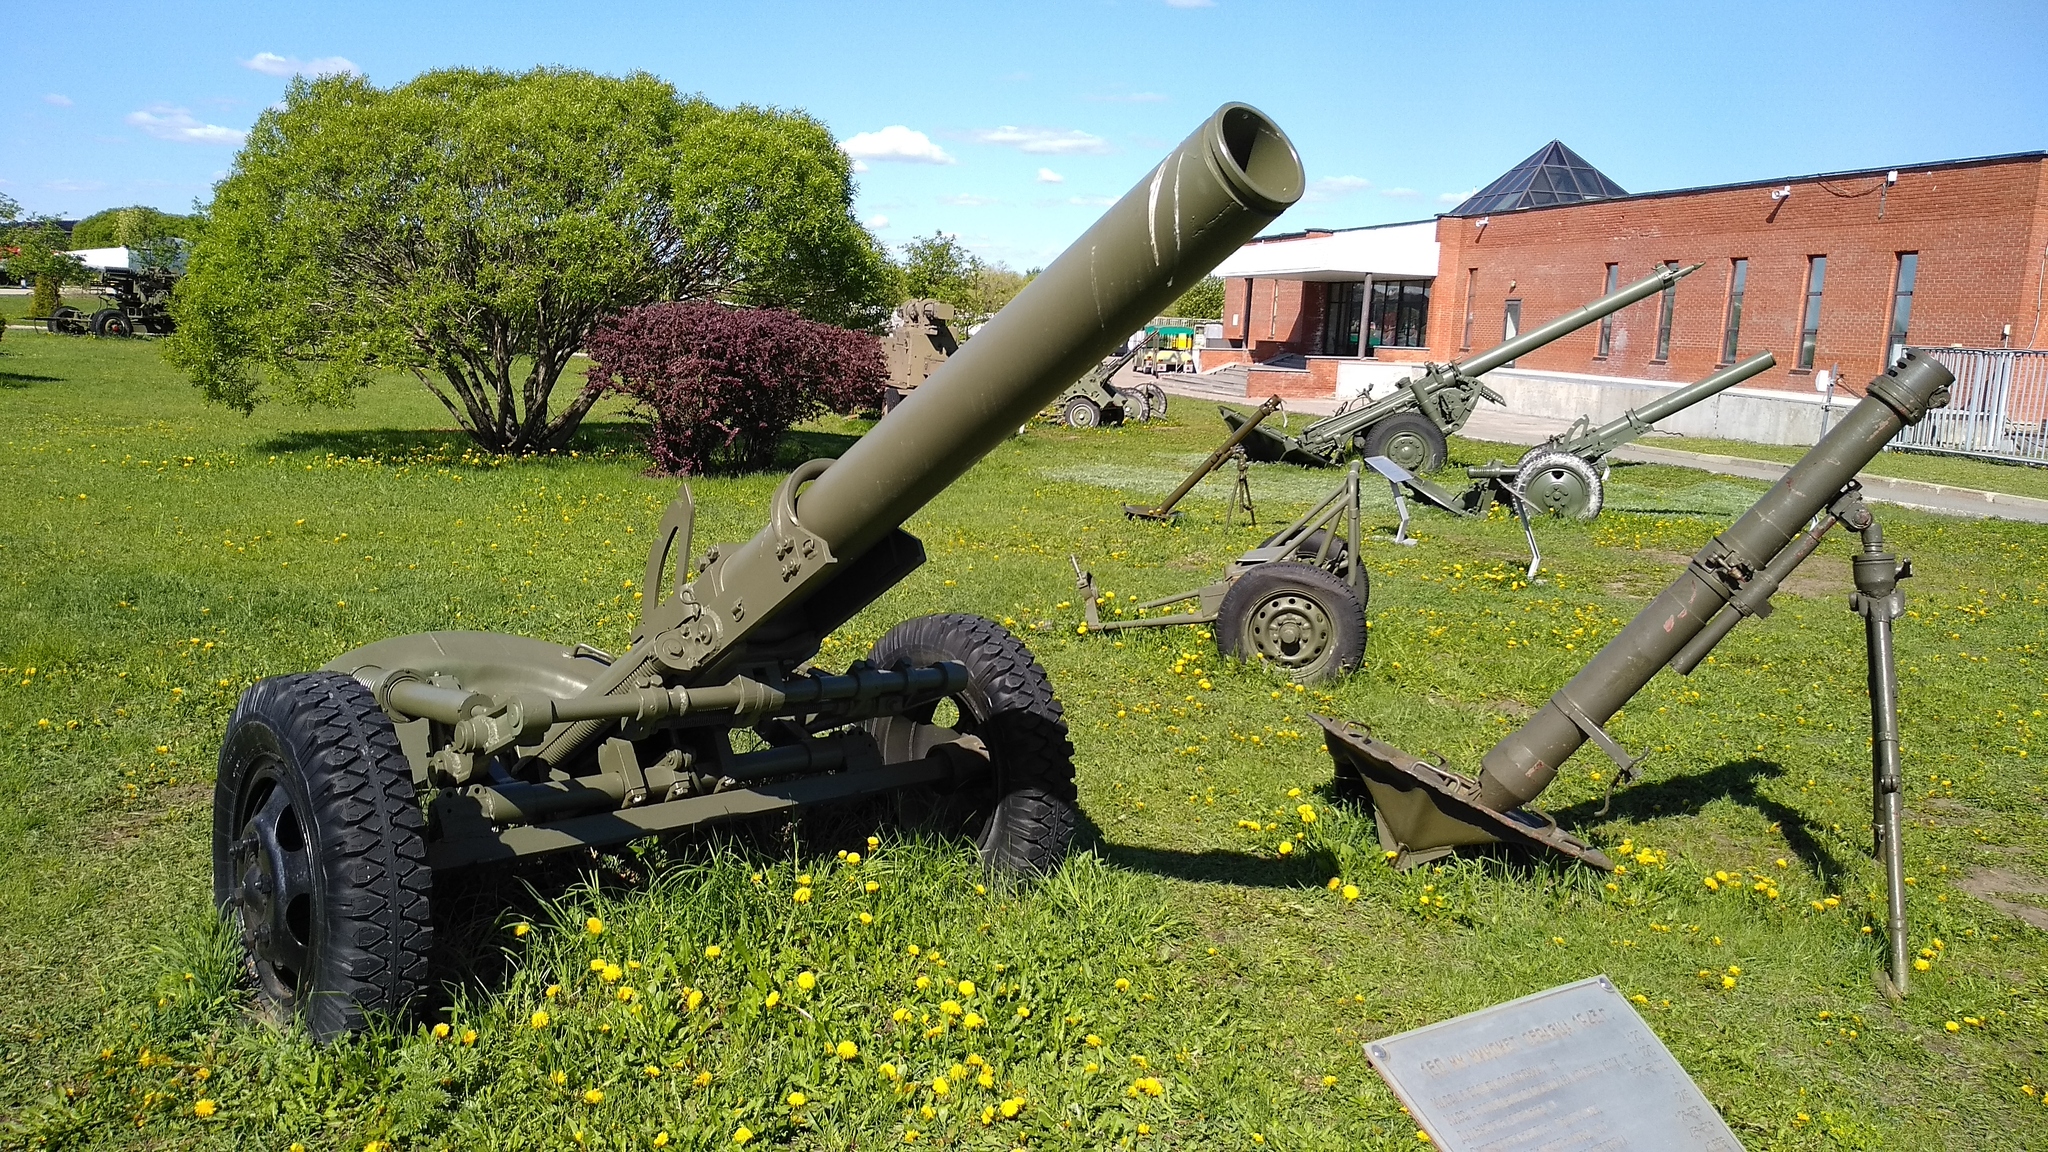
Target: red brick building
<point x="1833" y="270"/>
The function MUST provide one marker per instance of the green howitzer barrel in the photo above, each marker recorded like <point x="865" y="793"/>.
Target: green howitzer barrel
<point x="1426" y="811"/>
<point x="1410" y="425"/>
<point x="760" y="601"/>
<point x="1600" y="441"/>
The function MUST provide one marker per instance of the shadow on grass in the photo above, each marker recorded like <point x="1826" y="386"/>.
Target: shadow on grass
<point x="1738" y="781"/>
<point x="24" y="379"/>
<point x="1303" y="870"/>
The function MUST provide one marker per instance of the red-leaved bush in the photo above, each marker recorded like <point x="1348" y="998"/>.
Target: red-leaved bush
<point x="721" y="385"/>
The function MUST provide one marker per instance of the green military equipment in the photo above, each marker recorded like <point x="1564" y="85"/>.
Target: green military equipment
<point x="1224" y="451"/>
<point x="1424" y="810"/>
<point x="1296" y="602"/>
<point x="342" y="794"/>
<point x="920" y="339"/>
<point x="1096" y="399"/>
<point x="1566" y="475"/>
<point x="1411" y="425"/>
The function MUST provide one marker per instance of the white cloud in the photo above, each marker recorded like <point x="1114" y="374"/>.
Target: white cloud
<point x="178" y="124"/>
<point x="877" y="222"/>
<point x="1048" y="176"/>
<point x="1190" y="3"/>
<point x="967" y="200"/>
<point x="271" y="64"/>
<point x="1044" y="141"/>
<point x="896" y="144"/>
<point x="1399" y="193"/>
<point x="59" y="99"/>
<point x="1335" y="187"/>
<point x="1454" y="197"/>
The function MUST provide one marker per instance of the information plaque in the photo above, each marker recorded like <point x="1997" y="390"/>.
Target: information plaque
<point x="1573" y="1069"/>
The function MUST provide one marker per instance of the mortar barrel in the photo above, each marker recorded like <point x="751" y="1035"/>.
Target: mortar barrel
<point x="1211" y="194"/>
<point x="1679" y="399"/>
<point x="1515" y="770"/>
<point x="1572" y="321"/>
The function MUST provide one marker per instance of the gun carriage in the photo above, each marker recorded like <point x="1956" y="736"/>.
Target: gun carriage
<point x="342" y="793"/>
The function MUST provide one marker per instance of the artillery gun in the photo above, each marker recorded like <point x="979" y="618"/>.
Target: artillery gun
<point x="1566" y="475"/>
<point x="1096" y="399"/>
<point x="1425" y="810"/>
<point x="1164" y="510"/>
<point x="342" y="794"/>
<point x="919" y="340"/>
<point x="1411" y="425"/>
<point x="1296" y="602"/>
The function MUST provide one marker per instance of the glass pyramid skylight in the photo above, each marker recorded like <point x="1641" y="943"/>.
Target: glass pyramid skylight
<point x="1553" y="175"/>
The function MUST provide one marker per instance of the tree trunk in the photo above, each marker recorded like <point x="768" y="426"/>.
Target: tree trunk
<point x="45" y="300"/>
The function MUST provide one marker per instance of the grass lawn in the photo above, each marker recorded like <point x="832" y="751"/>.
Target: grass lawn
<point x="1961" y="471"/>
<point x="1180" y="984"/>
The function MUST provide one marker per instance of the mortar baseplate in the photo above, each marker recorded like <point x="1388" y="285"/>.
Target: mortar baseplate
<point x="1425" y="812"/>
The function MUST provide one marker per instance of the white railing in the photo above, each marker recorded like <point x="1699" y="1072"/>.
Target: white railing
<point x="1998" y="408"/>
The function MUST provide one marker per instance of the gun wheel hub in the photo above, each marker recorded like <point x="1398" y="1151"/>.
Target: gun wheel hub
<point x="1560" y="483"/>
<point x="274" y="883"/>
<point x="1290" y="630"/>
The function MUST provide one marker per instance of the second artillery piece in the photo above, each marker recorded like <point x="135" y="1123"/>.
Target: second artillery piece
<point x="1411" y="426"/>
<point x="1566" y="475"/>
<point x="344" y="794"/>
<point x="1096" y="398"/>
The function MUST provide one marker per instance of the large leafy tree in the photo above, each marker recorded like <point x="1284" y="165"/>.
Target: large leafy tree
<point x="473" y="227"/>
<point x="936" y="267"/>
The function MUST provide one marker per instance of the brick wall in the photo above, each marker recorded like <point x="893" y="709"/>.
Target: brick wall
<point x="1980" y="230"/>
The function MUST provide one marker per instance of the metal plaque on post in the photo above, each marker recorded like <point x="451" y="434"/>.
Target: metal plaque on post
<point x="1573" y="1068"/>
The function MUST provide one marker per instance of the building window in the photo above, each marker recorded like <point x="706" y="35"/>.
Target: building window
<point x="1607" y="321"/>
<point x="1341" y="309"/>
<point x="1809" y="324"/>
<point x="1510" y="324"/>
<point x="1398" y="314"/>
<point x="1902" y="306"/>
<point x="1471" y="284"/>
<point x="1664" y="311"/>
<point x="1738" y="282"/>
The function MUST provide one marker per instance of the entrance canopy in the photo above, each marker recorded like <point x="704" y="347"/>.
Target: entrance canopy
<point x="1389" y="251"/>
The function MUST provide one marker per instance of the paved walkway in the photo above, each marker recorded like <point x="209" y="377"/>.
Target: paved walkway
<point x="1490" y="423"/>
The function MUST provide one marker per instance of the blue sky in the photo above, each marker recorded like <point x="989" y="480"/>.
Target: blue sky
<point x="1011" y="124"/>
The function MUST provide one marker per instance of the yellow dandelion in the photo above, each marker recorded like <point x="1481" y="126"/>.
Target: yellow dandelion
<point x="742" y="1135"/>
<point x="440" y="1033"/>
<point x="540" y="1019"/>
<point x="205" y="1108"/>
<point x="846" y="1049"/>
<point x="594" y="926"/>
<point x="713" y="952"/>
<point x="807" y="980"/>
<point x="796" y="1100"/>
<point x="521" y="928"/>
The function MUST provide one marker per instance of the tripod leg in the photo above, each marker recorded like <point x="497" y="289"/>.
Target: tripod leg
<point x="1879" y="602"/>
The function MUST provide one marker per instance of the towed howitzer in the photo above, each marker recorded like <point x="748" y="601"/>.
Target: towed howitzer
<point x="1296" y="602"/>
<point x="1164" y="510"/>
<point x="324" y="859"/>
<point x="1566" y="475"/>
<point x="1096" y="399"/>
<point x="1411" y="425"/>
<point x="1425" y="811"/>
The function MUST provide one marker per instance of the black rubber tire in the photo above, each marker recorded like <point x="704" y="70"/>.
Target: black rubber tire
<point x="314" y="760"/>
<point x="111" y="322"/>
<point x="1408" y="426"/>
<point x="65" y="321"/>
<point x="1022" y="816"/>
<point x="1305" y="550"/>
<point x="1081" y="412"/>
<point x="1288" y="586"/>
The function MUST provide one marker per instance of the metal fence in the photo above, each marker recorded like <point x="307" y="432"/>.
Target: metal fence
<point x="1998" y="409"/>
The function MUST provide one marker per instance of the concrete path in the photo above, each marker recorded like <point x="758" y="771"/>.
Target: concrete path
<point x="1490" y="423"/>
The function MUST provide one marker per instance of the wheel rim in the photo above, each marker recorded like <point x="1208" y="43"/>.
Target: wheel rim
<point x="1081" y="414"/>
<point x="274" y="886"/>
<point x="1558" y="490"/>
<point x="1408" y="449"/>
<point x="1290" y="629"/>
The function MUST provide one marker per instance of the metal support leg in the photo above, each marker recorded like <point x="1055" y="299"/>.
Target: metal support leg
<point x="1528" y="533"/>
<point x="1878" y="600"/>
